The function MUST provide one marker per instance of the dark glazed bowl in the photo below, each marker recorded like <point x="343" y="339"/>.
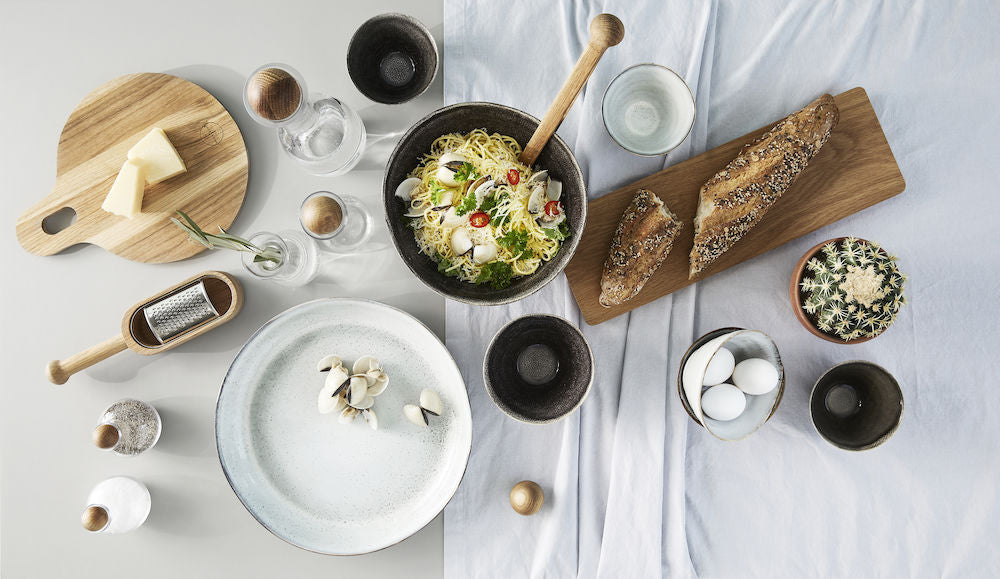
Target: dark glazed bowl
<point x="856" y="405"/>
<point x="556" y="157"/>
<point x="392" y="58"/>
<point x="517" y="379"/>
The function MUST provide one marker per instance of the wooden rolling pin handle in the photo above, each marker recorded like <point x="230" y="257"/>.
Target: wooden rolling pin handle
<point x="59" y="371"/>
<point x="605" y="30"/>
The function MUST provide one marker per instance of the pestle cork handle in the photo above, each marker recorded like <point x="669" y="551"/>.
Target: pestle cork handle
<point x="59" y="371"/>
<point x="605" y="30"/>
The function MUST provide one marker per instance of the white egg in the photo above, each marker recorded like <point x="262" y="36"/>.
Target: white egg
<point x="720" y="367"/>
<point x="723" y="402"/>
<point x="755" y="376"/>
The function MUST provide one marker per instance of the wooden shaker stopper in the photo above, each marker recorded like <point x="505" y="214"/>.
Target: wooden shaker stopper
<point x="322" y="215"/>
<point x="94" y="519"/>
<point x="526" y="497"/>
<point x="274" y="94"/>
<point x="106" y="436"/>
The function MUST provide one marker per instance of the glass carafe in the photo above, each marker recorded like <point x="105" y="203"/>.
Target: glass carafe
<point x="323" y="134"/>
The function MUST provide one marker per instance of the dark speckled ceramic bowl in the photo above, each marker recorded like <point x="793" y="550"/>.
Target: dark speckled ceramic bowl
<point x="556" y="157"/>
<point x="856" y="405"/>
<point x="392" y="58"/>
<point x="538" y="368"/>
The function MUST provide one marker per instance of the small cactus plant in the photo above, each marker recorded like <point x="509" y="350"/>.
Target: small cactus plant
<point x="853" y="289"/>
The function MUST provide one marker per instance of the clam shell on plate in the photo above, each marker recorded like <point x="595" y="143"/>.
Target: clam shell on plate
<point x="743" y="344"/>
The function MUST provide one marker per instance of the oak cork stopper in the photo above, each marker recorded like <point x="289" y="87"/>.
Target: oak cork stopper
<point x="526" y="497"/>
<point x="322" y="215"/>
<point x="94" y="519"/>
<point x="106" y="436"/>
<point x="274" y="94"/>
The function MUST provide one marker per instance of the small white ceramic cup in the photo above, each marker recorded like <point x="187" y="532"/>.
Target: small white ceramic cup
<point x="648" y="109"/>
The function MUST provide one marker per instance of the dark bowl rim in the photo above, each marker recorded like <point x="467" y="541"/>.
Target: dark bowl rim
<point x="494" y="396"/>
<point x="423" y="29"/>
<point x="537" y="282"/>
<point x="881" y="439"/>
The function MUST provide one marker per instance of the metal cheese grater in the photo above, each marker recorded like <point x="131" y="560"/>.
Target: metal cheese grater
<point x="179" y="312"/>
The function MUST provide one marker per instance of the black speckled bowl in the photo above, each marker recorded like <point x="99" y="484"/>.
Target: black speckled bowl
<point x="392" y="58"/>
<point x="856" y="405"/>
<point x="538" y="368"/>
<point x="556" y="157"/>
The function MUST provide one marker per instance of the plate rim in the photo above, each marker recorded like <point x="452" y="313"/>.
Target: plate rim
<point x="222" y="462"/>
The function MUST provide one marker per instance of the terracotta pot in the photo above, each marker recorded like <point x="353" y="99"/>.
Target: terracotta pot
<point x="796" y="296"/>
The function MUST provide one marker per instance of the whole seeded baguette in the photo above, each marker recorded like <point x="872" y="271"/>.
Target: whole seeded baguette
<point x="644" y="237"/>
<point x="737" y="197"/>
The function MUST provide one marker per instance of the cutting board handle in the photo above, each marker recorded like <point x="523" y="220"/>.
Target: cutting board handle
<point x="39" y="236"/>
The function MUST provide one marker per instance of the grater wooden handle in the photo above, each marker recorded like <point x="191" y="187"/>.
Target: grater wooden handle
<point x="59" y="371"/>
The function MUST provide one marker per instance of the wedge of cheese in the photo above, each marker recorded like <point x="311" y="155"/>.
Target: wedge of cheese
<point x="125" y="197"/>
<point x="158" y="155"/>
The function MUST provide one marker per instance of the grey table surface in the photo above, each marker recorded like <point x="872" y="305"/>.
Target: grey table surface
<point x="54" y="53"/>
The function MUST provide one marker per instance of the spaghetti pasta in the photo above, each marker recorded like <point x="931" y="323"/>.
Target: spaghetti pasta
<point x="483" y="190"/>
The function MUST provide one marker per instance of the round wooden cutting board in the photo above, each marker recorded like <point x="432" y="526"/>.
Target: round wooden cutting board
<point x="94" y="144"/>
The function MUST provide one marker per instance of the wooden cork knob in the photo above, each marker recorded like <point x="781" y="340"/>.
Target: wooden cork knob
<point x="322" y="215"/>
<point x="274" y="94"/>
<point x="606" y="30"/>
<point x="94" y="519"/>
<point x="526" y="497"/>
<point x="106" y="436"/>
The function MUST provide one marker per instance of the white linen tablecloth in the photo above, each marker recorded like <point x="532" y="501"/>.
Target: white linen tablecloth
<point x="633" y="487"/>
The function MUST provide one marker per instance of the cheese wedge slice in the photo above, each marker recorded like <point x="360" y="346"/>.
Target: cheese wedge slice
<point x="159" y="156"/>
<point x="125" y="197"/>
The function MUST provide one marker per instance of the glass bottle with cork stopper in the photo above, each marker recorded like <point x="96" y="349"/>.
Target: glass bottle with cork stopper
<point x="128" y="427"/>
<point x="340" y="224"/>
<point x="323" y="134"/>
<point x="116" y="505"/>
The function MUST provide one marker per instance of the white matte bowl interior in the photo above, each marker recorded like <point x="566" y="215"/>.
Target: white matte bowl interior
<point x="648" y="109"/>
<point x="341" y="489"/>
<point x="743" y="344"/>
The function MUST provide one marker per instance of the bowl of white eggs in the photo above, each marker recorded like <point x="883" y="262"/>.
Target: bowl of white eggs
<point x="731" y="381"/>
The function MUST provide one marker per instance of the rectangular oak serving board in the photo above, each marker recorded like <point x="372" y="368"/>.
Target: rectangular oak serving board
<point x="854" y="170"/>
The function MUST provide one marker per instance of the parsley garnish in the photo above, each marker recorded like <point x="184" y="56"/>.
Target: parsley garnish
<point x="467" y="204"/>
<point x="496" y="273"/>
<point x="436" y="191"/>
<point x="558" y="233"/>
<point x="517" y="242"/>
<point x="467" y="172"/>
<point x="444" y="265"/>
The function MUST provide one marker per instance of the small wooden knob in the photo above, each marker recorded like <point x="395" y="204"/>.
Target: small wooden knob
<point x="56" y="373"/>
<point x="526" y="497"/>
<point x="606" y="30"/>
<point x="274" y="94"/>
<point x="322" y="215"/>
<point x="106" y="436"/>
<point x="94" y="519"/>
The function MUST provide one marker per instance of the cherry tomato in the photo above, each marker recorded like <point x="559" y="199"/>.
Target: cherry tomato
<point x="552" y="208"/>
<point x="513" y="177"/>
<point x="479" y="219"/>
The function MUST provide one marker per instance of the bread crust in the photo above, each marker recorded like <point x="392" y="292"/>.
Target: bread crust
<point x="642" y="241"/>
<point x="738" y="196"/>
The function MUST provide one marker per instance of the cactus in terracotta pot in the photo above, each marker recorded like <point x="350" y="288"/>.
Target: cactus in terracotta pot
<point x="853" y="289"/>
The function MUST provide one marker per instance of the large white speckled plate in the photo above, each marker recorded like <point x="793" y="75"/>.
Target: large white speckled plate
<point x="341" y="489"/>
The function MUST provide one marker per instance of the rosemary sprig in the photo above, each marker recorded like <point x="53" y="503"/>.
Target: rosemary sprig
<point x="224" y="240"/>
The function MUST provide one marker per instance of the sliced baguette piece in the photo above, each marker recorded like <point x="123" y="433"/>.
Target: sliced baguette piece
<point x="644" y="237"/>
<point x="737" y="197"/>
